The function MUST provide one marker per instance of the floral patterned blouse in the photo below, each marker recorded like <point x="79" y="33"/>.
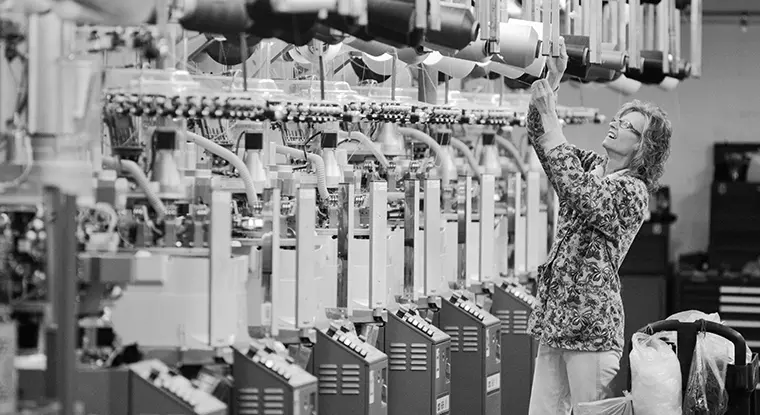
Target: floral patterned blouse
<point x="579" y="305"/>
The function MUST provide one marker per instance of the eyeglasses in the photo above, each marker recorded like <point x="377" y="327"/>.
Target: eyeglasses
<point x="625" y="125"/>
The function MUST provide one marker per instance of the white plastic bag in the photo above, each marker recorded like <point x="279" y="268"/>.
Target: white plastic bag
<point x="717" y="347"/>
<point x="706" y="391"/>
<point x="655" y="377"/>
<point x="614" y="406"/>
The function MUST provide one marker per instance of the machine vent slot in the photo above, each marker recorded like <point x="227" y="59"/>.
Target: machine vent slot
<point x="397" y="357"/>
<point x="520" y="322"/>
<point x="470" y="339"/>
<point x="453" y="332"/>
<point x="419" y="357"/>
<point x="505" y="317"/>
<point x="350" y="379"/>
<point x="274" y="401"/>
<point x="248" y="401"/>
<point x="328" y="379"/>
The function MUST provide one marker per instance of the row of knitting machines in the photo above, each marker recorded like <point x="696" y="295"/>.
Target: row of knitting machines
<point x="250" y="249"/>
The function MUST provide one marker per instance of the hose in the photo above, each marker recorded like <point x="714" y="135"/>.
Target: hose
<point x="134" y="170"/>
<point x="369" y="145"/>
<point x="424" y="138"/>
<point x="462" y="147"/>
<point x="230" y="157"/>
<point x="317" y="161"/>
<point x="514" y="152"/>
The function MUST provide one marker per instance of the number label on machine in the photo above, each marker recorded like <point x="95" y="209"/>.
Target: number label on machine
<point x="493" y="382"/>
<point x="442" y="405"/>
<point x="372" y="381"/>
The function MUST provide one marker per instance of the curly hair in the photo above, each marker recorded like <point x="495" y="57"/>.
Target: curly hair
<point x="649" y="161"/>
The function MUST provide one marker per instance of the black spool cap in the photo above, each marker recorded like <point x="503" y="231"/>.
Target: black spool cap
<point x="254" y="141"/>
<point x="489" y="139"/>
<point x="165" y="140"/>
<point x="329" y="140"/>
<point x="443" y="138"/>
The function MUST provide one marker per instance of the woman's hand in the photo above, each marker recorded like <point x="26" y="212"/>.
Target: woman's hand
<point x="543" y="99"/>
<point x="557" y="66"/>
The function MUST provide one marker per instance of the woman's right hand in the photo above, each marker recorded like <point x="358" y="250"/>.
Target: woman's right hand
<point x="557" y="65"/>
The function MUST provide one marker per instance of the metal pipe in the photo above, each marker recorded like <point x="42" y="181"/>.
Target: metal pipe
<point x="464" y="217"/>
<point x="378" y="230"/>
<point x="61" y="212"/>
<point x="345" y="235"/>
<point x="411" y="211"/>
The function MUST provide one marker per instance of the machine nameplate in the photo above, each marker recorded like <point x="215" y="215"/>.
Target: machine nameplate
<point x="442" y="405"/>
<point x="493" y="382"/>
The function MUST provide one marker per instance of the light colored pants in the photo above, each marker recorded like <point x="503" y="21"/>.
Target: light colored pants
<point x="564" y="378"/>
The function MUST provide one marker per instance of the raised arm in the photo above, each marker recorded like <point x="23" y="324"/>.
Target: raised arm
<point x="606" y="203"/>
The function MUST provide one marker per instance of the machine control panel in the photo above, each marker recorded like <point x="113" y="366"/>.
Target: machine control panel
<point x="520" y="293"/>
<point x="412" y="317"/>
<point x="269" y="358"/>
<point x="343" y="335"/>
<point x="469" y="306"/>
<point x="167" y="381"/>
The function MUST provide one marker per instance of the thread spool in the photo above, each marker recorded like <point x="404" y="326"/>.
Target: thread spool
<point x="455" y="68"/>
<point x="612" y="59"/>
<point x="624" y="85"/>
<point x="410" y="56"/>
<point x="650" y="72"/>
<point x="578" y="56"/>
<point x="297" y="29"/>
<point x="392" y="22"/>
<point x="214" y="16"/>
<point x="458" y="28"/>
<point x="537" y="67"/>
<point x="518" y="44"/>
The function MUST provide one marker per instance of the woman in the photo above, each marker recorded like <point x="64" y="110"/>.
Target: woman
<point x="603" y="201"/>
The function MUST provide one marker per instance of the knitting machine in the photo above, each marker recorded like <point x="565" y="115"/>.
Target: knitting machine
<point x="288" y="237"/>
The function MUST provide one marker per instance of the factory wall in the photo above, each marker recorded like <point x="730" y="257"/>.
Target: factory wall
<point x="724" y="105"/>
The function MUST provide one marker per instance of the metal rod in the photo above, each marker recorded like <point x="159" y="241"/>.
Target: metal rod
<point x="663" y="38"/>
<point x="432" y="227"/>
<point x="243" y="54"/>
<point x="393" y="75"/>
<point x="306" y="207"/>
<point x="622" y="25"/>
<point x="464" y="218"/>
<point x="220" y="251"/>
<point x="486" y="211"/>
<point x="62" y="274"/>
<point x="345" y="235"/>
<point x="378" y="232"/>
<point x="271" y="263"/>
<point x="411" y="212"/>
<point x="634" y="45"/>
<point x="696" y="37"/>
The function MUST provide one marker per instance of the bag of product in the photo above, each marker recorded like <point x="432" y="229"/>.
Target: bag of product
<point x="655" y="376"/>
<point x="706" y="391"/>
<point x="614" y="406"/>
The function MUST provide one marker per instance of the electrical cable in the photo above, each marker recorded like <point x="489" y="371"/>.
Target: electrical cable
<point x="314" y="159"/>
<point x="230" y="157"/>
<point x="462" y="147"/>
<point x="134" y="170"/>
<point x="514" y="152"/>
<point x="369" y="145"/>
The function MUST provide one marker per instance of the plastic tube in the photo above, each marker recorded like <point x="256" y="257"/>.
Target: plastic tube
<point x="230" y="157"/>
<point x="514" y="152"/>
<point x="426" y="139"/>
<point x="134" y="170"/>
<point x="314" y="159"/>
<point x="369" y="145"/>
<point x="462" y="147"/>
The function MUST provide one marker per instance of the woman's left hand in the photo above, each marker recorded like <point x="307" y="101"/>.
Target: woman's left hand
<point x="543" y="98"/>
